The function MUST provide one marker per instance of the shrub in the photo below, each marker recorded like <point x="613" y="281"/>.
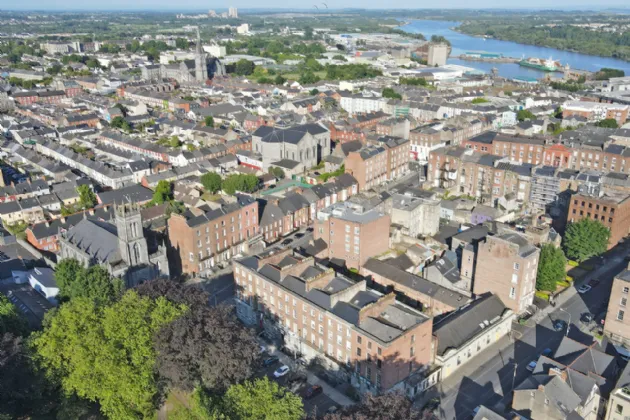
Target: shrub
<point x="573" y="263"/>
<point x="542" y="295"/>
<point x="569" y="279"/>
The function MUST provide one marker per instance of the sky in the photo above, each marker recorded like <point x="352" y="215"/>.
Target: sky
<point x="188" y="5"/>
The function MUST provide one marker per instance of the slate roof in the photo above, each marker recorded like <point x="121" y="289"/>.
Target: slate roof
<point x="131" y="194"/>
<point x="458" y="328"/>
<point x="419" y="284"/>
<point x="98" y="239"/>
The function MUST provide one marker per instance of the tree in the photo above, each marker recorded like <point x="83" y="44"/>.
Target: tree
<point x="244" y="67"/>
<point x="11" y="320"/>
<point x="525" y="114"/>
<point x="479" y="101"/>
<point x="211" y="182"/>
<point x="551" y="268"/>
<point x="87" y="198"/>
<point x="607" y="123"/>
<point x="262" y="400"/>
<point x="314" y="92"/>
<point x="175" y="292"/>
<point x="584" y="239"/>
<point x="388" y="406"/>
<point x="391" y="93"/>
<point x="163" y="192"/>
<point x="209" y="121"/>
<point x="240" y="182"/>
<point x="175" y="142"/>
<point x="94" y="283"/>
<point x="106" y="354"/>
<point x="206" y="347"/>
<point x="181" y="44"/>
<point x="24" y="391"/>
<point x="308" y="77"/>
<point x="279" y="80"/>
<point x="277" y="172"/>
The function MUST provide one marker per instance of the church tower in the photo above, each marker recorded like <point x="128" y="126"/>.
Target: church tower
<point x="201" y="65"/>
<point x="131" y="241"/>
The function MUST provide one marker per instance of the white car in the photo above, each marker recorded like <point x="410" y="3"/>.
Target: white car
<point x="281" y="371"/>
<point x="532" y="365"/>
<point x="584" y="288"/>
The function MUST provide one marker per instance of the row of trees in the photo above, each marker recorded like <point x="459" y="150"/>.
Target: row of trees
<point x="213" y="183"/>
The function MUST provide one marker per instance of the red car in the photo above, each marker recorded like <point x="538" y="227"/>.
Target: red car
<point x="312" y="391"/>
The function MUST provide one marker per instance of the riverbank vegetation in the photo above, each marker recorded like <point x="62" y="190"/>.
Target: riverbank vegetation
<point x="563" y="36"/>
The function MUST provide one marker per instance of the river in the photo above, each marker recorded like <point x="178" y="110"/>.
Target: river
<point x="465" y="43"/>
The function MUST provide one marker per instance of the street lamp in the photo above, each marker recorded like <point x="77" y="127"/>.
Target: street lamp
<point x="569" y="323"/>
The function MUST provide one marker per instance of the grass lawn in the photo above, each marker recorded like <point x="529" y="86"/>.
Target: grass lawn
<point x="296" y="76"/>
<point x="210" y="197"/>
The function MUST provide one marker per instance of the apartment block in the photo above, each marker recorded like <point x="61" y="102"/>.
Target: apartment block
<point x="397" y="150"/>
<point x="352" y="234"/>
<point x="610" y="208"/>
<point x="203" y="237"/>
<point x="506" y="266"/>
<point x="368" y="165"/>
<point x="374" y="341"/>
<point x="617" y="324"/>
<point x="595" y="111"/>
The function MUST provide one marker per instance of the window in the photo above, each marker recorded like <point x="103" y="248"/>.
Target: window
<point x="623" y="301"/>
<point x="619" y="409"/>
<point x="358" y="352"/>
<point x="512" y="293"/>
<point x="359" y="339"/>
<point x="625" y="290"/>
<point x="620" y="315"/>
<point x="516" y="266"/>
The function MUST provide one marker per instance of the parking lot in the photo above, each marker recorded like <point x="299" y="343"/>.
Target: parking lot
<point x="296" y="382"/>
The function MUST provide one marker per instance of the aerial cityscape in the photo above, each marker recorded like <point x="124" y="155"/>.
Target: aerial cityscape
<point x="329" y="211"/>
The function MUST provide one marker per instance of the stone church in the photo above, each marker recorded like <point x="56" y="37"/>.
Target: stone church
<point x="121" y="247"/>
<point x="198" y="70"/>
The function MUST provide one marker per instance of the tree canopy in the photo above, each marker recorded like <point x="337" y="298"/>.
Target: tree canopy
<point x="94" y="283"/>
<point x="87" y="198"/>
<point x="206" y="347"/>
<point x="551" y="268"/>
<point x="262" y="399"/>
<point x="163" y="192"/>
<point x="11" y="320"/>
<point x="277" y="172"/>
<point x="209" y="121"/>
<point x="525" y="114"/>
<point x="211" y="181"/>
<point x="391" y="93"/>
<point x="106" y="354"/>
<point x="584" y="239"/>
<point x="240" y="182"/>
<point x="383" y="407"/>
<point x="607" y="123"/>
<point x="244" y="67"/>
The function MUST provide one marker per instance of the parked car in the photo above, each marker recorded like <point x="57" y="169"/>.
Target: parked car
<point x="584" y="288"/>
<point x="309" y="229"/>
<point x="559" y="325"/>
<point x="546" y="352"/>
<point x="281" y="371"/>
<point x="270" y="361"/>
<point x="593" y="282"/>
<point x="332" y="409"/>
<point x="313" y="391"/>
<point x="586" y="318"/>
<point x="296" y="382"/>
<point x="299" y="235"/>
<point x="532" y="365"/>
<point x="287" y="241"/>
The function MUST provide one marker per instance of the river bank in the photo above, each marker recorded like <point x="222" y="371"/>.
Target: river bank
<point x="462" y="43"/>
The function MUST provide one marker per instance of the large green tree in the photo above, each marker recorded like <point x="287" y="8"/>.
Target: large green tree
<point x="261" y="399"/>
<point x="106" y="354"/>
<point x="244" y="67"/>
<point x="607" y="123"/>
<point x="87" y="198"/>
<point x="94" y="283"/>
<point x="211" y="182"/>
<point x="11" y="320"/>
<point x="388" y="406"/>
<point x="525" y="114"/>
<point x="584" y="239"/>
<point x="163" y="192"/>
<point x="551" y="267"/>
<point x="209" y="121"/>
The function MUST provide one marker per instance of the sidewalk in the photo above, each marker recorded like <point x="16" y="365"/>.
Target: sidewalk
<point x="329" y="391"/>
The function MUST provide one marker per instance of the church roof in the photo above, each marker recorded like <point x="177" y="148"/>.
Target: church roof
<point x="97" y="239"/>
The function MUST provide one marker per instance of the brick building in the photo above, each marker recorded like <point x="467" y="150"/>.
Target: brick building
<point x="368" y="165"/>
<point x="506" y="265"/>
<point x="352" y="234"/>
<point x="397" y="150"/>
<point x="596" y="111"/>
<point x="203" y="237"/>
<point x="610" y="208"/>
<point x="380" y="340"/>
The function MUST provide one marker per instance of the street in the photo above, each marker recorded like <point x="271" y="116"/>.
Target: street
<point x="489" y="377"/>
